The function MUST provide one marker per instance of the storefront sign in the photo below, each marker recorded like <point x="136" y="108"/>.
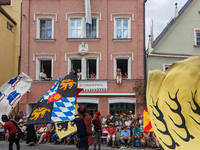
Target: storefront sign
<point x="93" y="85"/>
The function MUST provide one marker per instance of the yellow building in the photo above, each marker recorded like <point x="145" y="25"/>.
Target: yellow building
<point x="10" y="13"/>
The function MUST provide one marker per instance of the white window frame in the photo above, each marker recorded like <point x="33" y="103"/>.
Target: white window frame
<point x="38" y="66"/>
<point x="129" y="66"/>
<point x="166" y="65"/>
<point x="10" y="27"/>
<point x="83" y="25"/>
<point x="97" y="27"/>
<point x="38" y="26"/>
<point x="195" y="39"/>
<point x="121" y="100"/>
<point x="83" y="65"/>
<point x="115" y="26"/>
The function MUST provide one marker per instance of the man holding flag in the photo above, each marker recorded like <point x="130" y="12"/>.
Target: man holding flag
<point x="84" y="128"/>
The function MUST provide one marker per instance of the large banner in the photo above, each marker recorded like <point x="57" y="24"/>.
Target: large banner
<point x="11" y="92"/>
<point x="173" y="101"/>
<point x="58" y="104"/>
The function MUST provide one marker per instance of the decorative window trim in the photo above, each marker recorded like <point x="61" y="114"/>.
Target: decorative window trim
<point x="56" y="16"/>
<point x="121" y="100"/>
<point x="87" y="100"/>
<point x="195" y="41"/>
<point x="121" y="54"/>
<point x="129" y="29"/>
<point x="129" y="65"/>
<point x="83" y="65"/>
<point x="38" y="66"/>
<point x="38" y="28"/>
<point x="122" y="14"/>
<point x="44" y="55"/>
<point x="78" y="53"/>
<point x="83" y="29"/>
<point x="166" y="65"/>
<point x="70" y="13"/>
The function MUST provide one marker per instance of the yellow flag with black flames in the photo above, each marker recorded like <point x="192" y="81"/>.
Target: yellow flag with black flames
<point x="173" y="101"/>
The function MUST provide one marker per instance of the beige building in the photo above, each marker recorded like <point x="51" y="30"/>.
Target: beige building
<point x="10" y="14"/>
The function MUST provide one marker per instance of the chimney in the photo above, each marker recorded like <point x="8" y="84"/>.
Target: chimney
<point x="176" y="11"/>
<point x="149" y="45"/>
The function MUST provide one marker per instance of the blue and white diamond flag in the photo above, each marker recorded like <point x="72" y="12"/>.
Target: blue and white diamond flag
<point x="57" y="104"/>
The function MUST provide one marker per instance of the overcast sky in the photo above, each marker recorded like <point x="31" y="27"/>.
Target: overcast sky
<point x="161" y="11"/>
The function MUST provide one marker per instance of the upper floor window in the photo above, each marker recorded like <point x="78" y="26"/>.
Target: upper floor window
<point x="45" y="28"/>
<point x="88" y="67"/>
<point x="122" y="28"/>
<point x="197" y="37"/>
<point x="79" y="29"/>
<point x="91" y="30"/>
<point x="76" y="28"/>
<point x="166" y="66"/>
<point x="124" y="64"/>
<point x="44" y="68"/>
<point x="10" y="27"/>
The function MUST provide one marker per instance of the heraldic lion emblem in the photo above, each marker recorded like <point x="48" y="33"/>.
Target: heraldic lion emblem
<point x="39" y="112"/>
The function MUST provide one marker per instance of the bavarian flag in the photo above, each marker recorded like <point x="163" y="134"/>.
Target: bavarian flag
<point x="146" y="121"/>
<point x="58" y="104"/>
<point x="67" y="127"/>
<point x="173" y="101"/>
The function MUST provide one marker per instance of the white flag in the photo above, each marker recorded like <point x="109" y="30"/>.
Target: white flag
<point x="12" y="91"/>
<point x="88" y="12"/>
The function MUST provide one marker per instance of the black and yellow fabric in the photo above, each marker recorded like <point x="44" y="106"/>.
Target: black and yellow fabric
<point x="173" y="101"/>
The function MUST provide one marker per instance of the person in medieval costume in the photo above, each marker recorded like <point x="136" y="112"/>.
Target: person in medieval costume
<point x="97" y="127"/>
<point x="14" y="132"/>
<point x="31" y="135"/>
<point x="84" y="128"/>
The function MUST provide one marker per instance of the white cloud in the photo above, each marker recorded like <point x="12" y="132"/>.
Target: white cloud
<point x="161" y="11"/>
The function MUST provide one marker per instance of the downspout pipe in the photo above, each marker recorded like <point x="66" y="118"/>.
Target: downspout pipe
<point x="19" y="58"/>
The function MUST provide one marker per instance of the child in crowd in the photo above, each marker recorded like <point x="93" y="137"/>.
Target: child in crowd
<point x="2" y="133"/>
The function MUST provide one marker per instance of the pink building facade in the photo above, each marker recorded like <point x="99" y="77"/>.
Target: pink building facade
<point x="55" y="37"/>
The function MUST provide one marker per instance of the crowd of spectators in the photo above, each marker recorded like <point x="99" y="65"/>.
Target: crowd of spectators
<point x="120" y="130"/>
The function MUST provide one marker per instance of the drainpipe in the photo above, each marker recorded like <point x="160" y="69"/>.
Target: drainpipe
<point x="145" y="58"/>
<point x="19" y="58"/>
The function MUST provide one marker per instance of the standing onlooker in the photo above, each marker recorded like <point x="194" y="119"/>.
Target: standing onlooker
<point x="156" y="140"/>
<point x="118" y="123"/>
<point x="20" y="115"/>
<point x="128" y="123"/>
<point x="119" y="75"/>
<point x="125" y="135"/>
<point x="14" y="131"/>
<point x="72" y="72"/>
<point x="111" y="134"/>
<point x="31" y="135"/>
<point x="136" y="133"/>
<point x="108" y="121"/>
<point x="97" y="127"/>
<point x="79" y="74"/>
<point x="84" y="128"/>
<point x="2" y="132"/>
<point x="103" y="120"/>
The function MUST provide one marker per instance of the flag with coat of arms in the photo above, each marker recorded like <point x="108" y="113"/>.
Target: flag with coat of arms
<point x="58" y="104"/>
<point x="11" y="92"/>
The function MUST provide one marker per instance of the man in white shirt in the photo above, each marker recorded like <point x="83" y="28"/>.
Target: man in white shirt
<point x="43" y="75"/>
